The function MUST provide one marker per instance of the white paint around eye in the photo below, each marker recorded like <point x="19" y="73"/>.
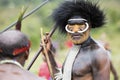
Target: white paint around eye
<point x="87" y="26"/>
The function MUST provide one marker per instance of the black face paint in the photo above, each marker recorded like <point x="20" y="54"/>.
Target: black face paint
<point x="76" y="21"/>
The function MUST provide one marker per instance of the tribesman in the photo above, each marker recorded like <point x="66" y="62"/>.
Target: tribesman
<point x="86" y="60"/>
<point x="14" y="51"/>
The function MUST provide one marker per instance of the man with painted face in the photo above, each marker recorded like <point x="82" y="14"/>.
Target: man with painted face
<point x="86" y="60"/>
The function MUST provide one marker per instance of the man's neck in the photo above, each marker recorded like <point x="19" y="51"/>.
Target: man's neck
<point x="87" y="42"/>
<point x="11" y="62"/>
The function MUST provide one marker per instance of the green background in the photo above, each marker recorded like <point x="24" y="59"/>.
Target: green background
<point x="10" y="11"/>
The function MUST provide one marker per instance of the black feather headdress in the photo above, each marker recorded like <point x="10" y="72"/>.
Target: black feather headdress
<point x="85" y="9"/>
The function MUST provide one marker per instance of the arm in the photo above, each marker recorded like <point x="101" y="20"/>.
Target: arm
<point x="101" y="65"/>
<point x="48" y="52"/>
<point x="114" y="72"/>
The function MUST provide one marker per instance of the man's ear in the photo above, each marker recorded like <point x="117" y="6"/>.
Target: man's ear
<point x="26" y="54"/>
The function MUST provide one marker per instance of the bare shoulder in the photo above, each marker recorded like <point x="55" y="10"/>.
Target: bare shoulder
<point x="32" y="76"/>
<point x="100" y="57"/>
<point x="14" y="72"/>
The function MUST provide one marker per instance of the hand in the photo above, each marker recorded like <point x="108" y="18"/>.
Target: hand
<point x="46" y="43"/>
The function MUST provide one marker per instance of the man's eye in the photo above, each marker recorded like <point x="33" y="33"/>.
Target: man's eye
<point x="70" y="28"/>
<point x="82" y="28"/>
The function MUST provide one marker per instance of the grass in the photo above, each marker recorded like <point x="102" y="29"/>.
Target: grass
<point x="32" y="25"/>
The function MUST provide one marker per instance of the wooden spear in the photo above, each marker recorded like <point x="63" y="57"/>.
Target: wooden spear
<point x="41" y="47"/>
<point x="46" y="54"/>
<point x="31" y="12"/>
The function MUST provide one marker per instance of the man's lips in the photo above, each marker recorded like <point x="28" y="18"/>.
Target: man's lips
<point x="76" y="36"/>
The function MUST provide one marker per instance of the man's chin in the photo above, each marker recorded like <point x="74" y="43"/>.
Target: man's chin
<point x="76" y="42"/>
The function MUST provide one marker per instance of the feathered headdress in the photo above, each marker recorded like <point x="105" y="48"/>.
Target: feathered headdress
<point x="84" y="9"/>
<point x="18" y="24"/>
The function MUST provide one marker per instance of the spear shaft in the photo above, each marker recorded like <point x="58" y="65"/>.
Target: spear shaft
<point x="41" y="47"/>
<point x="29" y="13"/>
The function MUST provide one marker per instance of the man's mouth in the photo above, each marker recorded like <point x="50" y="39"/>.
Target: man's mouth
<point x="76" y="36"/>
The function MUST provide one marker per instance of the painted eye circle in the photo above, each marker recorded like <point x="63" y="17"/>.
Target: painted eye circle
<point x="82" y="28"/>
<point x="70" y="28"/>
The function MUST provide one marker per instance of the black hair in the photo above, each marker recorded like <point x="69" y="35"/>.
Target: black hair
<point x="84" y="8"/>
<point x="11" y="40"/>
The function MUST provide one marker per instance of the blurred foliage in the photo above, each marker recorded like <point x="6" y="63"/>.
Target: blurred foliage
<point x="10" y="9"/>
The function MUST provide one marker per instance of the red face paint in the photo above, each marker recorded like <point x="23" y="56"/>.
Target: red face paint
<point x="20" y="50"/>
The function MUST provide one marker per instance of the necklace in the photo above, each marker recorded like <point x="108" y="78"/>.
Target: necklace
<point x="12" y="62"/>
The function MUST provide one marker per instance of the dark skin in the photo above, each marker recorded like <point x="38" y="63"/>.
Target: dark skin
<point x="92" y="62"/>
<point x="14" y="72"/>
<point x="112" y="68"/>
<point x="11" y="66"/>
<point x="114" y="72"/>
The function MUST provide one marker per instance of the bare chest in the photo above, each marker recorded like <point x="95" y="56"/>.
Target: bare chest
<point x="82" y="64"/>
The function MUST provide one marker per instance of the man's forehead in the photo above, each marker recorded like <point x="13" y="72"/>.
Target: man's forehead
<point x="76" y="25"/>
<point x="77" y="21"/>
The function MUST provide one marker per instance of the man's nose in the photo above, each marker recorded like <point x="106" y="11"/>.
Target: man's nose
<point x="75" y="28"/>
